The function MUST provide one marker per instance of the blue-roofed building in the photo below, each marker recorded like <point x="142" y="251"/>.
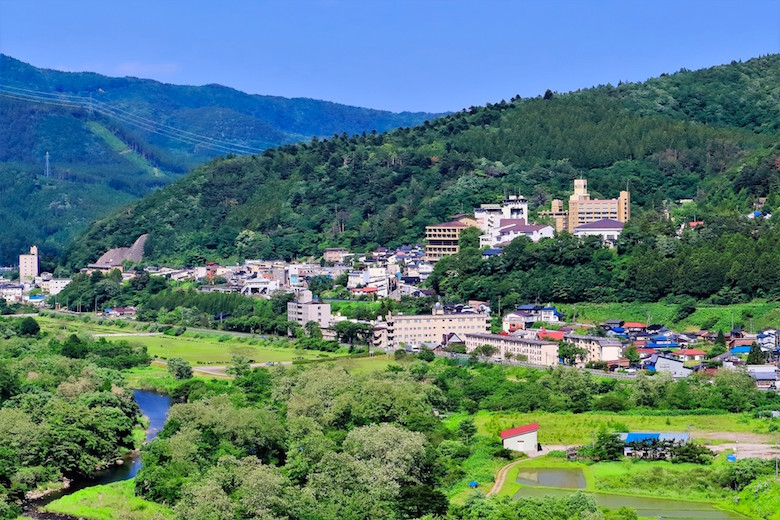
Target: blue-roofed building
<point x="493" y="251"/>
<point x="656" y="345"/>
<point x="540" y="313"/>
<point x="740" y="350"/>
<point x="649" y="439"/>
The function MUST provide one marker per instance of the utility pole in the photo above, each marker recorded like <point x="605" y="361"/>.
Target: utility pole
<point x="47" y="164"/>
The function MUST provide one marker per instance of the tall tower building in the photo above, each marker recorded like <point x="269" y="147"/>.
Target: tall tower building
<point x="29" y="268"/>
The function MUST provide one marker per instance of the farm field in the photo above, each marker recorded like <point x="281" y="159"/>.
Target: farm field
<point x="578" y="429"/>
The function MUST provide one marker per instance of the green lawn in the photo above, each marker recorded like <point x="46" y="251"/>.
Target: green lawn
<point x="571" y="429"/>
<point x="110" y="502"/>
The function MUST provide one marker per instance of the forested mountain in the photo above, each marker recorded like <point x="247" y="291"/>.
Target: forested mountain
<point x="112" y="140"/>
<point x="709" y="135"/>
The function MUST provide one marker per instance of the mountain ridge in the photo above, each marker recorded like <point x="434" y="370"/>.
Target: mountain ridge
<point x="113" y="140"/>
<point x="709" y="135"/>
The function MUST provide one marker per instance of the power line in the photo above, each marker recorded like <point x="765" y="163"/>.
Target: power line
<point x="124" y="116"/>
<point x="148" y="125"/>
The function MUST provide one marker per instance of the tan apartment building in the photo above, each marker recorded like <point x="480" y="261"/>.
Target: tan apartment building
<point x="334" y="254"/>
<point x="535" y="351"/>
<point x="29" y="267"/>
<point x="597" y="348"/>
<point x="304" y="309"/>
<point x="442" y="239"/>
<point x="583" y="209"/>
<point x="431" y="328"/>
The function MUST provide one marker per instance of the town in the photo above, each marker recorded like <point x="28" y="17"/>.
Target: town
<point x="532" y="334"/>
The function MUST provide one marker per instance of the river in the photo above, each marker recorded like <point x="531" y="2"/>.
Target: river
<point x="154" y="407"/>
<point x="537" y="480"/>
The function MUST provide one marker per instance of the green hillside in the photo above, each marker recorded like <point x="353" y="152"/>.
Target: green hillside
<point x="113" y="140"/>
<point x="362" y="191"/>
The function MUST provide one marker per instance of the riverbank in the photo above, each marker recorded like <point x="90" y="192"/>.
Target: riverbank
<point x="109" y="502"/>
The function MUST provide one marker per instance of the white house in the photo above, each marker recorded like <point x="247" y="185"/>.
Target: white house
<point x="54" y="286"/>
<point x="509" y="229"/>
<point x="609" y="230"/>
<point x="690" y="354"/>
<point x="522" y="438"/>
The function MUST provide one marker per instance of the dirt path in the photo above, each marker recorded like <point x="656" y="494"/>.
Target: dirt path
<point x="738" y="437"/>
<point x="128" y="335"/>
<point x="501" y="475"/>
<point x="221" y="370"/>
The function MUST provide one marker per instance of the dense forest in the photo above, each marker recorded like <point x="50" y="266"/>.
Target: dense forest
<point x="112" y="140"/>
<point x="64" y="409"/>
<point x="709" y="135"/>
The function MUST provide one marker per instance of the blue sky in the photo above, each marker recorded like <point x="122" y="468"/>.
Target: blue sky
<point x="423" y="55"/>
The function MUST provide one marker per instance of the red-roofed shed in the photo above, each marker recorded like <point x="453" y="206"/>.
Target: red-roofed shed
<point x="522" y="438"/>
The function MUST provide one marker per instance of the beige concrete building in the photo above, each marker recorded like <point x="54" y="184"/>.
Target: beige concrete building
<point x="597" y="348"/>
<point x="304" y="309"/>
<point x="442" y="239"/>
<point x="538" y="352"/>
<point x="431" y="328"/>
<point x="583" y="209"/>
<point x="334" y="254"/>
<point x="29" y="267"/>
<point x="54" y="286"/>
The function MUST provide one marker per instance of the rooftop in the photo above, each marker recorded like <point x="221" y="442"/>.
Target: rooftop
<point x="519" y="430"/>
<point x="605" y="223"/>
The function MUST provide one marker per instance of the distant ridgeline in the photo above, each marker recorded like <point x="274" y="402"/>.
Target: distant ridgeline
<point x="113" y="140"/>
<point x="709" y="135"/>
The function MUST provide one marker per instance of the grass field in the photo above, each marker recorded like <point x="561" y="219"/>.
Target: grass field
<point x="62" y="327"/>
<point x="571" y="429"/>
<point x="763" y="313"/>
<point x="208" y="349"/>
<point x="110" y="502"/>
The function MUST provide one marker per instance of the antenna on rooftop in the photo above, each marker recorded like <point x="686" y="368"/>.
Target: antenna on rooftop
<point x="47" y="164"/>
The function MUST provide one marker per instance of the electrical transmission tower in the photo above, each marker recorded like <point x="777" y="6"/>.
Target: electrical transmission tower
<point x="47" y="164"/>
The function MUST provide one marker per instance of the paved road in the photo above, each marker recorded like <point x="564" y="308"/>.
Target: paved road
<point x="501" y="475"/>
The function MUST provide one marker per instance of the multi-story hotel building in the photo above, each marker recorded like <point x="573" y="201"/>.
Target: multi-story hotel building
<point x="442" y="239"/>
<point x="29" y="268"/>
<point x="535" y="351"/>
<point x="583" y="209"/>
<point x="304" y="309"/>
<point x="431" y="329"/>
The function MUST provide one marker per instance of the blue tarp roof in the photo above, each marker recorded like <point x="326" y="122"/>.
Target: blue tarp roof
<point x="740" y="350"/>
<point x="662" y="345"/>
<point x="634" y="437"/>
<point x="492" y="252"/>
